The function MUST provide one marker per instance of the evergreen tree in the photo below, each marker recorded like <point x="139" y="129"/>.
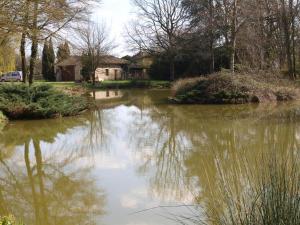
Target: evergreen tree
<point x="48" y="60"/>
<point x="63" y="51"/>
<point x="51" y="60"/>
<point x="45" y="60"/>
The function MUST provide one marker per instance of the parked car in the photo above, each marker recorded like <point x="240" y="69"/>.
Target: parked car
<point x="12" y="76"/>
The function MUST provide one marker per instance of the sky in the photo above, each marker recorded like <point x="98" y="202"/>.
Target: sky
<point x="116" y="14"/>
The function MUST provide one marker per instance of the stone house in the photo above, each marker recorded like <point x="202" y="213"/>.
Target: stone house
<point x="139" y="66"/>
<point x="69" y="69"/>
<point x="110" y="68"/>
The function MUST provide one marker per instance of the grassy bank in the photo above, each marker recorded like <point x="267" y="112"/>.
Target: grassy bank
<point x="226" y="88"/>
<point x="126" y="84"/>
<point x="112" y="84"/>
<point x="38" y="102"/>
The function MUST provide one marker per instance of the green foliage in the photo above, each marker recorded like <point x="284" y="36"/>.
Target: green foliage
<point x="9" y="220"/>
<point x="63" y="52"/>
<point x="189" y="62"/>
<point x="48" y="61"/>
<point x="38" y="101"/>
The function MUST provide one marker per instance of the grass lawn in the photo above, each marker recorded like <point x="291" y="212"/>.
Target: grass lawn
<point x="60" y="84"/>
<point x="130" y="84"/>
<point x="112" y="84"/>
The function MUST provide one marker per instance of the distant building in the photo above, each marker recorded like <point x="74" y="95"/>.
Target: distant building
<point x="110" y="68"/>
<point x="139" y="66"/>
<point x="69" y="69"/>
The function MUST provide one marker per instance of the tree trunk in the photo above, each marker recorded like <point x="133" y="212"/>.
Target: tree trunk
<point x="287" y="39"/>
<point x="23" y="56"/>
<point x="23" y="43"/>
<point x="34" y="47"/>
<point x="94" y="78"/>
<point x="292" y="16"/>
<point x="233" y="36"/>
<point x="211" y="32"/>
<point x="212" y="57"/>
<point x="172" y="70"/>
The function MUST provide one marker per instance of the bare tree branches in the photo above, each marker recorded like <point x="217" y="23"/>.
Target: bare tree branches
<point x="159" y="26"/>
<point x="93" y="42"/>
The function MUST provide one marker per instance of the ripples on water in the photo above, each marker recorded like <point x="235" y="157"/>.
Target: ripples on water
<point x="135" y="152"/>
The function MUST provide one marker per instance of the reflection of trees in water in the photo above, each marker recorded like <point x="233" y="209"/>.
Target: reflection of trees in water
<point x="99" y="127"/>
<point x="188" y="143"/>
<point x="53" y="189"/>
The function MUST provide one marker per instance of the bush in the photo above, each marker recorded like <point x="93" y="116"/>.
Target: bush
<point x="223" y="87"/>
<point x="38" y="101"/>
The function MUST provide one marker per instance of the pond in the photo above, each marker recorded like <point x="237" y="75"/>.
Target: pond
<point x="136" y="160"/>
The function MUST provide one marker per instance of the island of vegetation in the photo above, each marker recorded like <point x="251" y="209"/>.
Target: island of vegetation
<point x="39" y="101"/>
<point x="227" y="88"/>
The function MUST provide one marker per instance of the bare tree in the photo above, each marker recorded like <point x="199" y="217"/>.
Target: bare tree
<point x="159" y="26"/>
<point x="94" y="42"/>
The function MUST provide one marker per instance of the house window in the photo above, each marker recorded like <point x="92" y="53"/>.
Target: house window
<point x="107" y="72"/>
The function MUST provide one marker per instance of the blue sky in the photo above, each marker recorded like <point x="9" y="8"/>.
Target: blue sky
<point x="116" y="14"/>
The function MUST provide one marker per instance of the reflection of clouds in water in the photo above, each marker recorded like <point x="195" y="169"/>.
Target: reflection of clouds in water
<point x="129" y="202"/>
<point x="138" y="199"/>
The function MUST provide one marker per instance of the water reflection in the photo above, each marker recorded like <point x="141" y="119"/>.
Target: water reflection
<point x="140" y="152"/>
<point x="107" y="94"/>
<point x="44" y="187"/>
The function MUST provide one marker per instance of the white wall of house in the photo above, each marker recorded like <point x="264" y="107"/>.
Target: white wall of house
<point x="78" y="76"/>
<point x="109" y="73"/>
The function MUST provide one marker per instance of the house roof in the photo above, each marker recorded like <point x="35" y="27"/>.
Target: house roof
<point x="71" y="61"/>
<point x="140" y="55"/>
<point x="104" y="60"/>
<point x="112" y="60"/>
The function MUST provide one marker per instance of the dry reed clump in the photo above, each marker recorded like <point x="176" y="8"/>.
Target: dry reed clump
<point x="266" y="195"/>
<point x="3" y="120"/>
<point x="223" y="87"/>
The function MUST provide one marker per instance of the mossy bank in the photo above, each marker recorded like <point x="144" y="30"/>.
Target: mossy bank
<point x="19" y="101"/>
<point x="227" y="88"/>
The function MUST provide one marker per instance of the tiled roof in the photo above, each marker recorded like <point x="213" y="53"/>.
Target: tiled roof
<point x="71" y="61"/>
<point x="104" y="60"/>
<point x="112" y="60"/>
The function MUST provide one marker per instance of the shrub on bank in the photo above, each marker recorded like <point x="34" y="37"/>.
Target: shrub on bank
<point x="224" y="87"/>
<point x="38" y="101"/>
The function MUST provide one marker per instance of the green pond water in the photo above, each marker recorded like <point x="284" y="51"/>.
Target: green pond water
<point x="136" y="160"/>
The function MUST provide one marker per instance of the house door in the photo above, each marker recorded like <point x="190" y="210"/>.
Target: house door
<point x="68" y="73"/>
<point x="116" y="74"/>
